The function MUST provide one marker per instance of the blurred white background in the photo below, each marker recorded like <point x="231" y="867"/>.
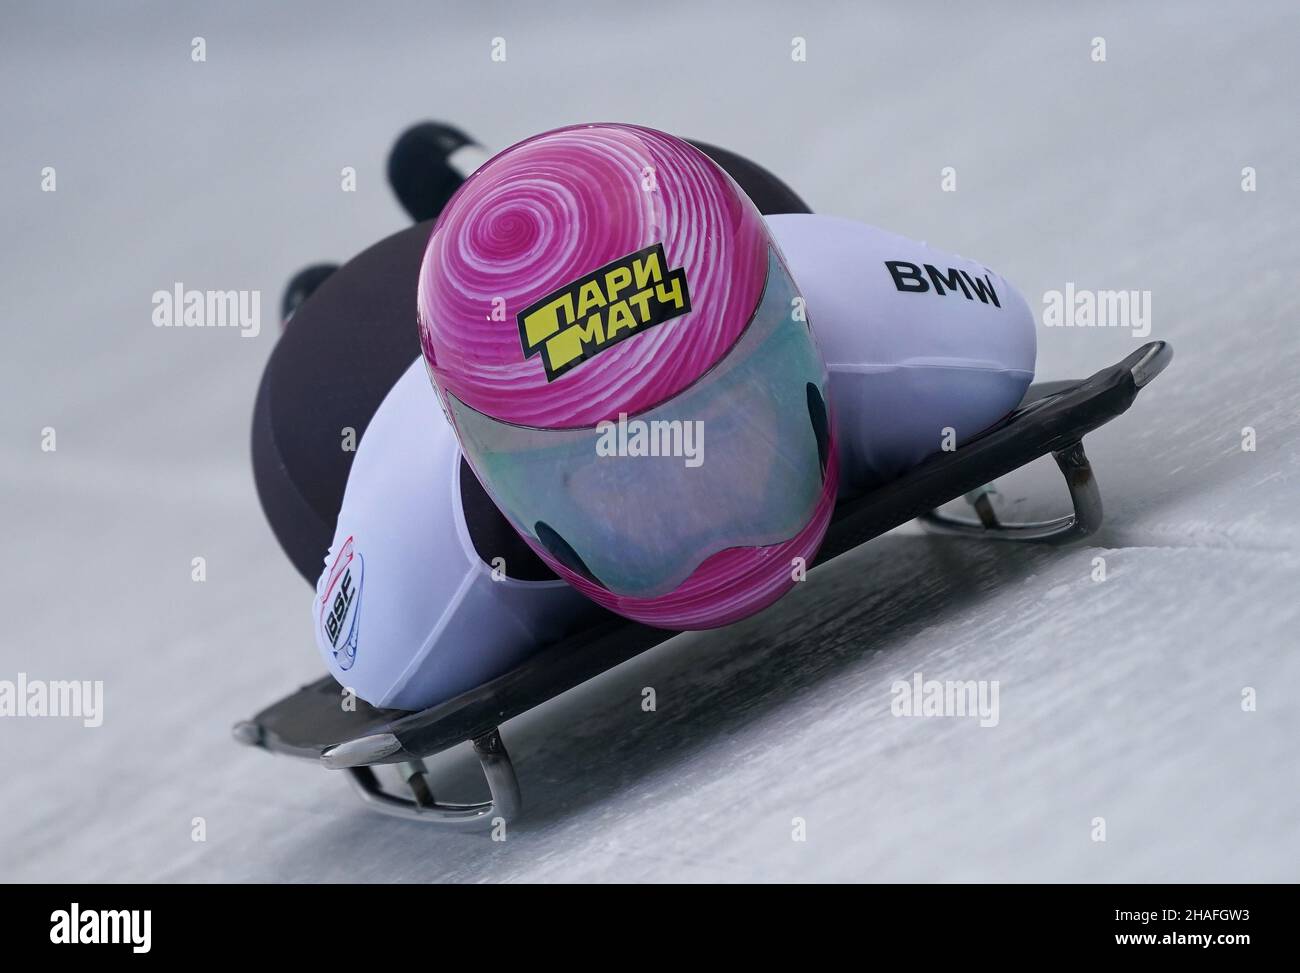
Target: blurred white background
<point x="1119" y="700"/>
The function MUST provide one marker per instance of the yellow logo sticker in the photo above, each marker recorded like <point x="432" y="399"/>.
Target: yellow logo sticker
<point x="617" y="301"/>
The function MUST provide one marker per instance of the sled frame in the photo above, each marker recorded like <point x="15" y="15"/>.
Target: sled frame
<point x="1051" y="420"/>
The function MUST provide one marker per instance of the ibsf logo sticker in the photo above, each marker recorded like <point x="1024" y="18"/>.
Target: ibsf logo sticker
<point x="614" y="302"/>
<point x="340" y="604"/>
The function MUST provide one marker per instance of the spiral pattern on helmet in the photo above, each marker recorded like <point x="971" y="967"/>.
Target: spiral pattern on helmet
<point x="554" y="208"/>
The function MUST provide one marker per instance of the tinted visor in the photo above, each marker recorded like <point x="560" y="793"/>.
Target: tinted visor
<point x="636" y="505"/>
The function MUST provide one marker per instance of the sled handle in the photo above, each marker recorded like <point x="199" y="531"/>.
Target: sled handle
<point x="503" y="805"/>
<point x="1084" y="495"/>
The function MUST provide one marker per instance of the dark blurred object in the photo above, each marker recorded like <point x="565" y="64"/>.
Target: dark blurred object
<point x="302" y="286"/>
<point x="769" y="193"/>
<point x="420" y="169"/>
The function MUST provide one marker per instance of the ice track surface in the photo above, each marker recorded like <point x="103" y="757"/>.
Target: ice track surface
<point x="1119" y="700"/>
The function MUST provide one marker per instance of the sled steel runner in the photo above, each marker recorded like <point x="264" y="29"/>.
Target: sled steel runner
<point x="1052" y="419"/>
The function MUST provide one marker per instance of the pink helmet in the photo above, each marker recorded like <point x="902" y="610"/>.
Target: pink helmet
<point x="623" y="354"/>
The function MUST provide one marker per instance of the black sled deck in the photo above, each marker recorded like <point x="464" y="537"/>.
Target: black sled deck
<point x="1052" y="419"/>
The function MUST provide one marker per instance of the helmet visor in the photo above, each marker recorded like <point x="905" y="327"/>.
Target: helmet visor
<point x="636" y="505"/>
